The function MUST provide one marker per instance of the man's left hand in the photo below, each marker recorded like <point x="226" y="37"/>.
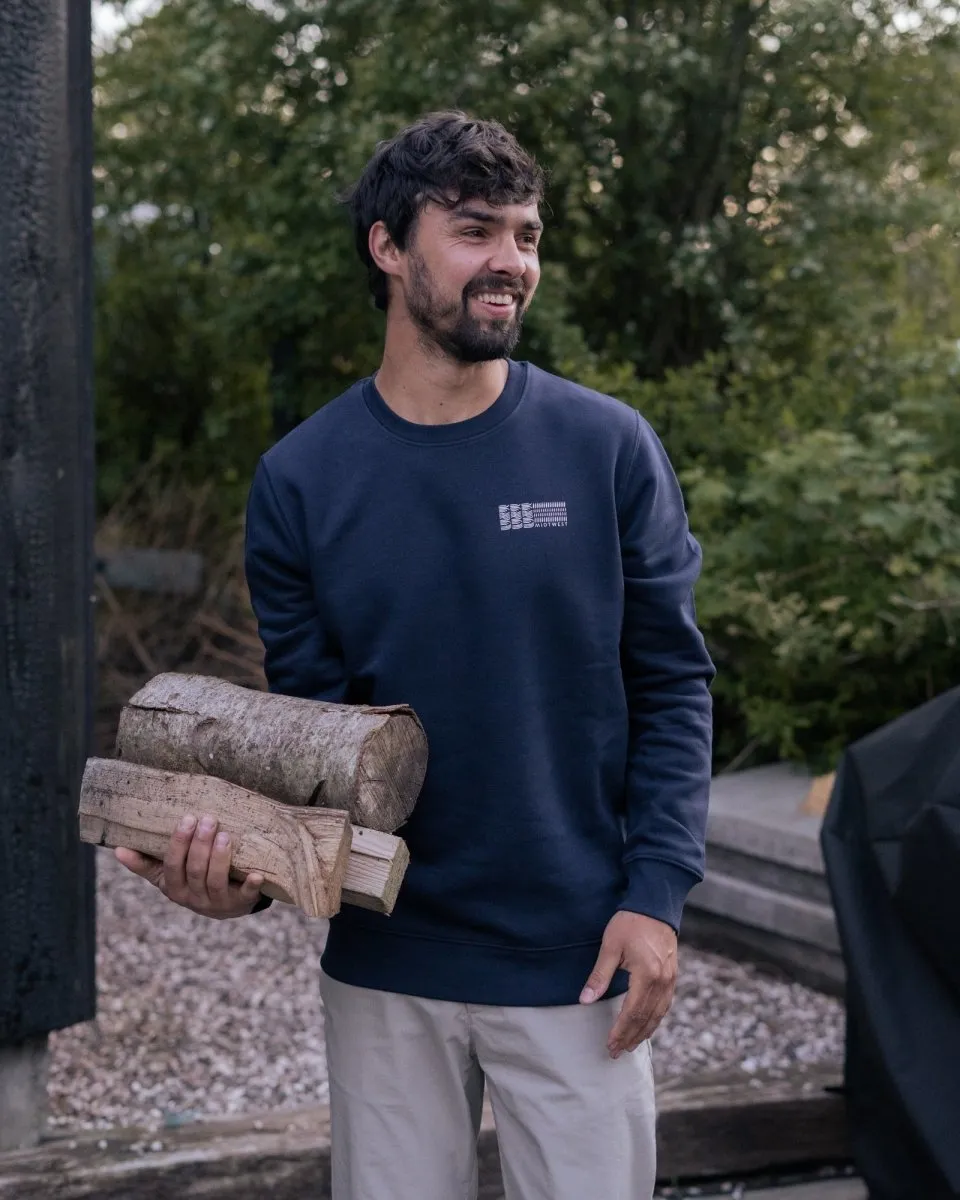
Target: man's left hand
<point x="647" y="950"/>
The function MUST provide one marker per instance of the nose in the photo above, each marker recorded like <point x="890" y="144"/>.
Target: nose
<point x="506" y="258"/>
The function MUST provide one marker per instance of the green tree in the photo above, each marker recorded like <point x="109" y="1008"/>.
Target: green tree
<point x="725" y="173"/>
<point x="832" y="599"/>
<point x="752" y="237"/>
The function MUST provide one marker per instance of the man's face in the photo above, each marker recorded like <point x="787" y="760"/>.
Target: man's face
<point x="470" y="274"/>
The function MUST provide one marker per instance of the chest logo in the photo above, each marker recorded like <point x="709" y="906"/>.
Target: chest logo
<point x="551" y="514"/>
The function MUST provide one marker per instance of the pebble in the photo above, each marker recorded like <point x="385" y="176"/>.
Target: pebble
<point x="199" y="1018"/>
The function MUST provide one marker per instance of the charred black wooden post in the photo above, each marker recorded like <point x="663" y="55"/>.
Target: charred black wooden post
<point x="46" y="519"/>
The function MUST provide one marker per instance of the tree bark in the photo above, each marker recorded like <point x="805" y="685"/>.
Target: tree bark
<point x="302" y="853"/>
<point x="369" y="761"/>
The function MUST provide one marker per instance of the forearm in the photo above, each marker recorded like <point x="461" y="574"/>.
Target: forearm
<point x="667" y="791"/>
<point x="667" y="672"/>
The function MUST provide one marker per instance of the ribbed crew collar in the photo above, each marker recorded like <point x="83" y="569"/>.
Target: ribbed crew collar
<point x="456" y="431"/>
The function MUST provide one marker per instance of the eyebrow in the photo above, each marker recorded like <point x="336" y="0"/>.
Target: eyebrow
<point x="488" y="218"/>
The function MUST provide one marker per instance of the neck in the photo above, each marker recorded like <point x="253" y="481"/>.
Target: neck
<point x="424" y="385"/>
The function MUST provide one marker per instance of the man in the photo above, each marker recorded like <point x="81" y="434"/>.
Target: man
<point x="507" y="552"/>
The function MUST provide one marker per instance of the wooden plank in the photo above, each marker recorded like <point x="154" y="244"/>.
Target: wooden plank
<point x="824" y="1189"/>
<point x="722" y="1125"/>
<point x="737" y="1123"/>
<point x="125" y="804"/>
<point x="283" y="1155"/>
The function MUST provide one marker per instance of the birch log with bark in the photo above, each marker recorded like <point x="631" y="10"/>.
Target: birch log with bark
<point x="369" y="761"/>
<point x="302" y="853"/>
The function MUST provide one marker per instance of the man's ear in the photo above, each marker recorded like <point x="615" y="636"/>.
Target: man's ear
<point x="383" y="249"/>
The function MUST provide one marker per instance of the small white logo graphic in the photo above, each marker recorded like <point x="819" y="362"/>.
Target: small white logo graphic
<point x="549" y="515"/>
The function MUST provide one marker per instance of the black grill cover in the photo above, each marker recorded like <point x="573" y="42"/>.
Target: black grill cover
<point x="891" y="841"/>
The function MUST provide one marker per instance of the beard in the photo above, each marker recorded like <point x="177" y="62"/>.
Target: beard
<point x="449" y="326"/>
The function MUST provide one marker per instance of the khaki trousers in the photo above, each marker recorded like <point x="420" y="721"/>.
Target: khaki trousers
<point x="406" y="1091"/>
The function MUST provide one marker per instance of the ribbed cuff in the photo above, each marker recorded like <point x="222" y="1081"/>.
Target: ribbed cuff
<point x="657" y="889"/>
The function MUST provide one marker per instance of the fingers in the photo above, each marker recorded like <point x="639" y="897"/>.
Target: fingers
<point x="645" y="1005"/>
<point x="603" y="971"/>
<point x="249" y="890"/>
<point x="638" y="1020"/>
<point x="227" y="899"/>
<point x="197" y="864"/>
<point x="174" y="861"/>
<point x="187" y="862"/>
<point x="195" y="871"/>
<point x="630" y="1020"/>
<point x="205" y="879"/>
<point x="218" y="870"/>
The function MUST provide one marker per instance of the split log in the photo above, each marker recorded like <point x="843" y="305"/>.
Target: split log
<point x="375" y="869"/>
<point x="302" y="853"/>
<point x="369" y="761"/>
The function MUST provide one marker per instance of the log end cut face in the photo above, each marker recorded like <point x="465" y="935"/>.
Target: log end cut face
<point x="392" y="768"/>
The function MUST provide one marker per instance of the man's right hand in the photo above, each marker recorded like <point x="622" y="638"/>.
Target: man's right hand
<point x="195" y="873"/>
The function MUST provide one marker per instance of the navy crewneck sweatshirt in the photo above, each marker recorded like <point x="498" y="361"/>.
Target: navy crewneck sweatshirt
<point x="524" y="579"/>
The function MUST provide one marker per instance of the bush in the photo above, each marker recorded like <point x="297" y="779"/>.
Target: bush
<point x="831" y="589"/>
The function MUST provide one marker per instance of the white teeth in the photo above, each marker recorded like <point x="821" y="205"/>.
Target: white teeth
<point x="496" y="298"/>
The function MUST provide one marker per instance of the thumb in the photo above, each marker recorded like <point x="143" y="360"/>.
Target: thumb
<point x="599" y="978"/>
<point x="139" y="864"/>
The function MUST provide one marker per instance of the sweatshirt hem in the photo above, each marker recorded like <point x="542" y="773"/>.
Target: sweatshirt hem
<point x="463" y="972"/>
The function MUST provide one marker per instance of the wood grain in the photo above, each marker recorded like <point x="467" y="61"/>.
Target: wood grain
<point x="301" y="852"/>
<point x="375" y="869"/>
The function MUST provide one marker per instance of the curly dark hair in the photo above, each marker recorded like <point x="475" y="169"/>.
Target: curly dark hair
<point x="445" y="157"/>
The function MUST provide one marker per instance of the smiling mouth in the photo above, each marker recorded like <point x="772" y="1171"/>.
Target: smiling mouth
<point x="500" y="304"/>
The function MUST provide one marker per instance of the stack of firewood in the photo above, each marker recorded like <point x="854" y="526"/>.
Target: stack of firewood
<point x="309" y="792"/>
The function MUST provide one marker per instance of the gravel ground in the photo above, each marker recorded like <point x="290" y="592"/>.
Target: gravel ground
<point x="210" y="1018"/>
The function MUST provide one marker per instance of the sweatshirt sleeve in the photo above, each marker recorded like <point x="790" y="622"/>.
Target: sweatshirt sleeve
<point x="667" y="673"/>
<point x="300" y="656"/>
<point x="298" y="659"/>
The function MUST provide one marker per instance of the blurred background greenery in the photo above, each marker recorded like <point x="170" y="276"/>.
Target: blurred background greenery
<point x="752" y="237"/>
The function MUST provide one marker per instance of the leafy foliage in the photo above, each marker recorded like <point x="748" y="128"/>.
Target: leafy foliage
<point x="752" y="220"/>
<point x="833" y="590"/>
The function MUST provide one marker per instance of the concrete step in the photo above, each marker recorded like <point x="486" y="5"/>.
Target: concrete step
<point x="768" y="873"/>
<point x="757" y="812"/>
<point x="765" y="895"/>
<point x="764" y="908"/>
